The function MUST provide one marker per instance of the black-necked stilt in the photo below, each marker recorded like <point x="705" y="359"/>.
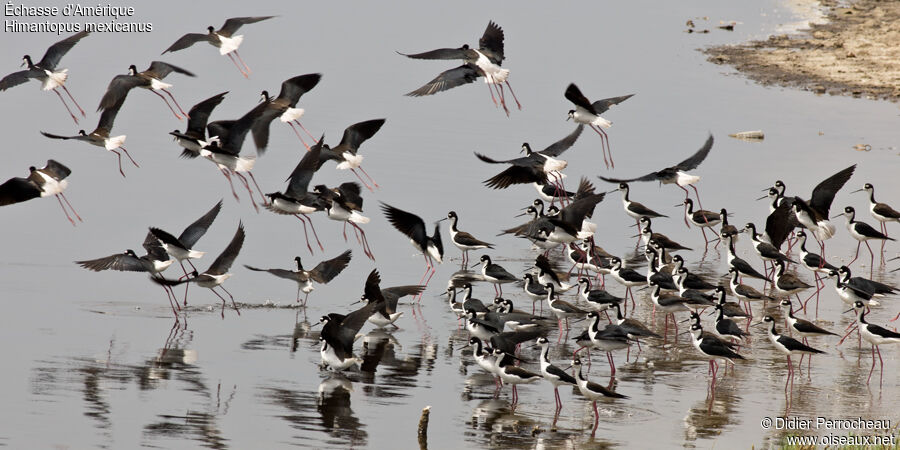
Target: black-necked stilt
<point x="588" y="258"/>
<point x="100" y="136"/>
<point x="627" y="277"/>
<point x="471" y="303"/>
<point x="387" y="299"/>
<point x="814" y="214"/>
<point x="561" y="308"/>
<point x="739" y="264"/>
<point x="414" y="228"/>
<point x="663" y="279"/>
<point x="547" y="274"/>
<point x="345" y="153"/>
<point x="802" y="327"/>
<point x="344" y="204"/>
<point x="495" y="273"/>
<point x="676" y="174"/>
<point x="780" y="223"/>
<point x="787" y="345"/>
<point x="745" y="292"/>
<point x="512" y="374"/>
<point x="517" y="320"/>
<point x="874" y="334"/>
<point x="44" y="182"/>
<point x="552" y="373"/>
<point x="647" y="235"/>
<point x="340" y="331"/>
<point x="690" y="280"/>
<point x="283" y="107"/>
<point x="730" y="309"/>
<point x="788" y="284"/>
<point x="538" y="167"/>
<point x="592" y="391"/>
<point x="634" y="209"/>
<point x="710" y="336"/>
<point x="612" y="337"/>
<point x="851" y="294"/>
<point x="701" y="218"/>
<point x="633" y="327"/>
<point x="589" y="113"/>
<point x="696" y="296"/>
<point x="463" y="240"/>
<point x="726" y="327"/>
<point x="481" y="327"/>
<point x="223" y="39"/>
<point x="296" y="200"/>
<point x="217" y="272"/>
<point x="181" y="247"/>
<point x="815" y="263"/>
<point x="725" y="227"/>
<point x="455" y="306"/>
<point x="322" y="273"/>
<point x="194" y="136"/>
<point x="150" y="79"/>
<point x="669" y="304"/>
<point x="765" y="250"/>
<point x="485" y="61"/>
<point x="45" y="71"/>
<point x="712" y="348"/>
<point x="862" y="232"/>
<point x="598" y="299"/>
<point x="534" y="290"/>
<point x="484" y="357"/>
<point x="154" y="262"/>
<point x="882" y="212"/>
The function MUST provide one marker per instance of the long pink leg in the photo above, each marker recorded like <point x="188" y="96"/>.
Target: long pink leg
<point x="176" y="103"/>
<point x="178" y="116"/>
<point x="315" y="234"/>
<point x="119" y="155"/>
<point x="367" y="176"/>
<point x="64" y="211"/>
<point x="491" y="90"/>
<point x="519" y="105"/>
<point x="129" y="156"/>
<point x="871" y="261"/>
<point x="261" y="195"/>
<point x="186" y="285"/>
<point x="70" y="206"/>
<point x="242" y="62"/>
<point x="249" y="191"/>
<point x="603" y="149"/>
<point x="232" y="299"/>
<point x="305" y="234"/>
<point x="499" y="88"/>
<point x="365" y="242"/>
<point x="858" y="244"/>
<point x="230" y="183"/>
<point x="66" y="105"/>
<point x="231" y="57"/>
<point x="298" y="135"/>
<point x="307" y="131"/>
<point x="79" y="106"/>
<point x="700" y="205"/>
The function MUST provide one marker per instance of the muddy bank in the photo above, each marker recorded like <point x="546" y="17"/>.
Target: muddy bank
<point x="856" y="52"/>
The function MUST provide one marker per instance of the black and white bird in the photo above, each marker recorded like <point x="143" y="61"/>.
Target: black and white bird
<point x="223" y="38"/>
<point x="799" y="325"/>
<point x="463" y="240"/>
<point x="701" y="218"/>
<point x="590" y="390"/>
<point x="512" y="374"/>
<point x="296" y="200"/>
<point x="182" y="247"/>
<point x="495" y="274"/>
<point x="46" y="72"/>
<point x="153" y="262"/>
<point x="788" y="284"/>
<point x="541" y="168"/>
<point x="739" y="264"/>
<point x="634" y="209"/>
<point x="100" y="137"/>
<point x="44" y="182"/>
<point x="344" y="204"/>
<point x="745" y="292"/>
<point x="875" y="335"/>
<point x="712" y="348"/>
<point x="387" y="299"/>
<point x="322" y="273"/>
<point x="731" y="310"/>
<point x="346" y="153"/>
<point x="862" y="232"/>
<point x="570" y="225"/>
<point x="194" y="136"/>
<point x="597" y="299"/>
<point x="676" y="174"/>
<point x="814" y="214"/>
<point x="150" y="79"/>
<point x="547" y="274"/>
<point x="787" y="345"/>
<point x="284" y="108"/>
<point x="339" y="332"/>
<point x="485" y="62"/>
<point x="562" y="309"/>
<point x="611" y="338"/>
<point x="413" y="227"/>
<point x="882" y="212"/>
<point x="765" y="250"/>
<point x="588" y="113"/>
<point x="626" y="277"/>
<point x="552" y="373"/>
<point x="217" y="272"/>
<point x="726" y="327"/>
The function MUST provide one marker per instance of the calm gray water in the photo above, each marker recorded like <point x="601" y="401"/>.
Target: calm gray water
<point x="84" y="359"/>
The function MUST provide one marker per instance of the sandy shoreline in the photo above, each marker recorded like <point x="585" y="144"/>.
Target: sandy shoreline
<point x="855" y="52"/>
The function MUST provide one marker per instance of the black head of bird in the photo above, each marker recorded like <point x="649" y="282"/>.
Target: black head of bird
<point x="571" y="115"/>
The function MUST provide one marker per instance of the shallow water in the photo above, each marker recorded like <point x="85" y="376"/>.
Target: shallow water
<point x="93" y="359"/>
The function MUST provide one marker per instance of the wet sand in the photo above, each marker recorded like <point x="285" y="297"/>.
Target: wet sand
<point x="856" y="51"/>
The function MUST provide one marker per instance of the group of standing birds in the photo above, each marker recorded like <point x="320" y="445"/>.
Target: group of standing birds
<point x="496" y="329"/>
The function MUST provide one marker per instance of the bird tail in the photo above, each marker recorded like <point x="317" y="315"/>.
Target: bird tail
<point x="826" y="230"/>
<point x="292" y="114"/>
<point x="115" y="142"/>
<point x="55" y="79"/>
<point x="231" y="44"/>
<point x="245" y="164"/>
<point x="351" y="161"/>
<point x="356" y="217"/>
